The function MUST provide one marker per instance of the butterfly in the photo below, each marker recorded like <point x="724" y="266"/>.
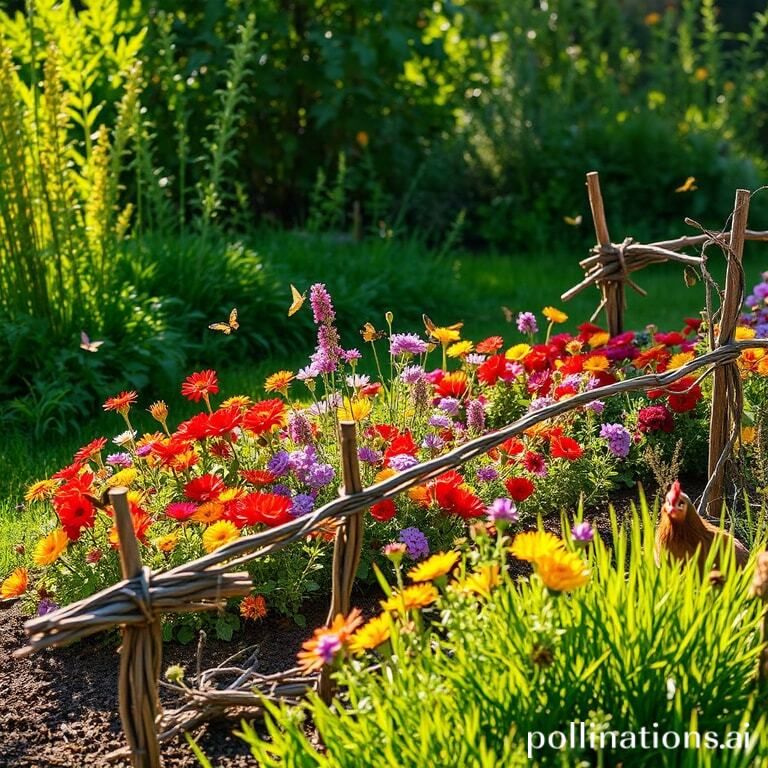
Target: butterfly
<point x="87" y="344"/>
<point x="688" y="185"/>
<point x="369" y="333"/>
<point x="573" y="221"/>
<point x="508" y="314"/>
<point x="228" y="327"/>
<point x="297" y="301"/>
<point x="431" y="327"/>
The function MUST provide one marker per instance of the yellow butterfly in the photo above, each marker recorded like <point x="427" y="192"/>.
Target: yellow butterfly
<point x="431" y="327"/>
<point x="508" y="314"/>
<point x="228" y="327"/>
<point x="688" y="185"/>
<point x="369" y="333"/>
<point x="87" y="344"/>
<point x="573" y="221"/>
<point x="297" y="301"/>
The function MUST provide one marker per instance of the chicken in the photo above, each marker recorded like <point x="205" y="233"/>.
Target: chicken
<point x="681" y="530"/>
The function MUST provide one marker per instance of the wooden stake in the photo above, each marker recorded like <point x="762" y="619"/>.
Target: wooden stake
<point x="140" y="654"/>
<point x="613" y="291"/>
<point x="348" y="545"/>
<point x="726" y="388"/>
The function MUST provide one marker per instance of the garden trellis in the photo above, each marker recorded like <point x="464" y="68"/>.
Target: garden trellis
<point x="138" y="602"/>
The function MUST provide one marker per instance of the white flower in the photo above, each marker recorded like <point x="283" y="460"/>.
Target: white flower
<point x="125" y="437"/>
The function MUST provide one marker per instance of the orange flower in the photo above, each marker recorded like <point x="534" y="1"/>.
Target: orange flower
<point x="42" y="489"/>
<point x="562" y="571"/>
<point x="326" y="642"/>
<point x="597" y="363"/>
<point x="264" y="416"/>
<point x="279" y="382"/>
<point x="253" y="607"/>
<point x="198" y="386"/>
<point x="208" y="512"/>
<point x="219" y="534"/>
<point x="48" y="549"/>
<point x="417" y="596"/>
<point x="167" y="543"/>
<point x="554" y="315"/>
<point x="241" y="401"/>
<point x="16" y="584"/>
<point x="159" y="411"/>
<point x="121" y="403"/>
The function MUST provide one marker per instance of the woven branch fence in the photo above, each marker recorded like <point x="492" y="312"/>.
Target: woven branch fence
<point x="137" y="603"/>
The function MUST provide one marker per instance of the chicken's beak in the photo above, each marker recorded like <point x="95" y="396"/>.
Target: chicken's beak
<point x="671" y="512"/>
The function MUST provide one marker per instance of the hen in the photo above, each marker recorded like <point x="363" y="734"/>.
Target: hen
<point x="682" y="530"/>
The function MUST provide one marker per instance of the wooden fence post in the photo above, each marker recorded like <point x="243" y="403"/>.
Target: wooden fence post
<point x="726" y="387"/>
<point x="348" y="545"/>
<point x="140" y="652"/>
<point x="612" y="290"/>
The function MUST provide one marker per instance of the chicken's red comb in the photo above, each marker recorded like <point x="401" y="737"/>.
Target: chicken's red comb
<point x="673" y="495"/>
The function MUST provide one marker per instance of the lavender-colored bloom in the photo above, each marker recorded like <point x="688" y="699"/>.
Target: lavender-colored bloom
<point x="119" y="460"/>
<point x="526" y="323"/>
<point x="582" y="532"/>
<point x="302" y="504"/>
<point x="412" y="373"/>
<point x="539" y="402"/>
<point x="307" y="373"/>
<point x="761" y="291"/>
<point x="416" y="542"/>
<point x="328" y="645"/>
<point x="144" y="450"/>
<point x="475" y="416"/>
<point x="440" y="421"/>
<point x="322" y="306"/>
<point x="281" y="489"/>
<point x="572" y="380"/>
<point x="537" y="379"/>
<point x="406" y="344"/>
<point x="299" y="428"/>
<point x="433" y="442"/>
<point x="46" y="606"/>
<point x="320" y="475"/>
<point x="351" y="355"/>
<point x="449" y="405"/>
<point x="592" y="383"/>
<point x="596" y="406"/>
<point x="334" y="400"/>
<point x="402" y="461"/>
<point x="279" y="464"/>
<point x="503" y="510"/>
<point x="358" y="381"/>
<point x="619" y="439"/>
<point x="369" y="455"/>
<point x="486" y="475"/>
<point x="761" y="331"/>
<point x="474" y="359"/>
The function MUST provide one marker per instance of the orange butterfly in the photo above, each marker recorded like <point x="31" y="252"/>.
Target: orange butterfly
<point x="87" y="344"/>
<point x="228" y="327"/>
<point x="369" y="333"/>
<point x="688" y="185"/>
<point x="297" y="301"/>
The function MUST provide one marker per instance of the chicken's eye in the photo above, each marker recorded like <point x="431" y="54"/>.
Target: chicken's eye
<point x="681" y="504"/>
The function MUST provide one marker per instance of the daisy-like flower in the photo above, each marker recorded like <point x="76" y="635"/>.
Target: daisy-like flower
<point x="460" y="349"/>
<point x="554" y="315"/>
<point x="181" y="510"/>
<point x="209" y="512"/>
<point x="373" y="634"/>
<point x="40" y="490"/>
<point x="121" y="403"/>
<point x="253" y="607"/>
<point x="413" y="597"/>
<point x="599" y="339"/>
<point x="159" y="412"/>
<point x="167" y="543"/>
<point x="406" y="344"/>
<point x="219" y="534"/>
<point x="434" y="567"/>
<point x="326" y="642"/>
<point x="92" y="449"/>
<point x="490" y="345"/>
<point x="123" y="478"/>
<point x="241" y="401"/>
<point x="482" y="581"/>
<point x="533" y="545"/>
<point x="562" y="571"/>
<point x="518" y="352"/>
<point x="279" y="382"/>
<point x="597" y="363"/>
<point x="200" y="385"/>
<point x="125" y="438"/>
<point x="355" y="409"/>
<point x="48" y="549"/>
<point x="16" y="584"/>
<point x="445" y="336"/>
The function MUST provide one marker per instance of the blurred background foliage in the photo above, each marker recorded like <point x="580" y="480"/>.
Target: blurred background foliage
<point x="152" y="149"/>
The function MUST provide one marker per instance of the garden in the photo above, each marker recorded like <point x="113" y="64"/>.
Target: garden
<point x="344" y="425"/>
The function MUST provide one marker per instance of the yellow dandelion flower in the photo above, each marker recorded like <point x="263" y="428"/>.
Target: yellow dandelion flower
<point x="122" y="478"/>
<point x="355" y="409"/>
<point x="554" y="315"/>
<point x="209" y="512"/>
<point x="434" y="567"/>
<point x="532" y="545"/>
<point x="241" y="401"/>
<point x="167" y="543"/>
<point x="219" y="534"/>
<point x="373" y="634"/>
<point x="416" y="596"/>
<point x="482" y="581"/>
<point x="15" y="585"/>
<point x="42" y="489"/>
<point x="599" y="339"/>
<point x="679" y="360"/>
<point x="518" y="352"/>
<point x="279" y="382"/>
<point x="48" y="549"/>
<point x="744" y="333"/>
<point x="562" y="571"/>
<point x="460" y="349"/>
<point x="597" y="363"/>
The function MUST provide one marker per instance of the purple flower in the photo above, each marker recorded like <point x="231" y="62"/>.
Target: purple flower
<point x="538" y="403"/>
<point x="320" y="475"/>
<point x="406" y="344"/>
<point x="281" y="489"/>
<point x="279" y="464"/>
<point x="46" y="606"/>
<point x="486" y="475"/>
<point x="302" y="504"/>
<point x="433" y="442"/>
<point x="440" y="421"/>
<point x="526" y="323"/>
<point x="504" y="511"/>
<point x="449" y="405"/>
<point x="119" y="459"/>
<point x="761" y="291"/>
<point x="572" y="380"/>
<point x="402" y="461"/>
<point x="328" y="645"/>
<point x="762" y="331"/>
<point x="475" y="416"/>
<point x="144" y="450"/>
<point x="582" y="532"/>
<point x="596" y="406"/>
<point x="307" y="373"/>
<point x="299" y="428"/>
<point x="416" y="542"/>
<point x="412" y="373"/>
<point x="474" y="359"/>
<point x="619" y="439"/>
<point x="322" y="306"/>
<point x="369" y="455"/>
<point x="351" y="355"/>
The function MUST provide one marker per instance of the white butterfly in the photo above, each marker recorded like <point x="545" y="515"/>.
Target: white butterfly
<point x="87" y="344"/>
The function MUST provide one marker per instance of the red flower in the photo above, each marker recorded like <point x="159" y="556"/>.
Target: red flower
<point x="169" y="450"/>
<point x="671" y="339"/>
<point x="386" y="432"/>
<point x="383" y="510"/>
<point x="257" y="476"/>
<point x="200" y="385"/>
<point x="562" y="447"/>
<point x="75" y="512"/>
<point x="454" y="384"/>
<point x="494" y="368"/>
<point x="270" y="509"/>
<point x="692" y="325"/>
<point x="89" y="450"/>
<point x="67" y="473"/>
<point x="512" y="447"/>
<point x="371" y="390"/>
<point x="204" y="488"/>
<point x="573" y="364"/>
<point x="535" y="463"/>
<point x="490" y="345"/>
<point x="657" y="355"/>
<point x="195" y="428"/>
<point x="654" y="418"/>
<point x="519" y="488"/>
<point x="587" y="330"/>
<point x="403" y="443"/>
<point x="223" y="421"/>
<point x="264" y="416"/>
<point x="180" y="510"/>
<point x="538" y="358"/>
<point x="221" y="449"/>
<point x="684" y="395"/>
<point x="120" y="403"/>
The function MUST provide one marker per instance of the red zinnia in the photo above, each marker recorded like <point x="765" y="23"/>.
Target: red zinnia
<point x="270" y="509"/>
<point x="195" y="428"/>
<point x="519" y="488"/>
<point x="490" y="345"/>
<point x="89" y="450"/>
<point x="204" y="488"/>
<point x="75" y="512"/>
<point x="120" y="403"/>
<point x="383" y="510"/>
<point x="264" y="416"/>
<point x="684" y="395"/>
<point x="257" y="476"/>
<point x="494" y="368"/>
<point x="671" y="339"/>
<point x="223" y="421"/>
<point x="199" y="385"/>
<point x="562" y="447"/>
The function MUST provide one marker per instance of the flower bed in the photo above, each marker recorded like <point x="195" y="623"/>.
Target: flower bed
<point x="241" y="464"/>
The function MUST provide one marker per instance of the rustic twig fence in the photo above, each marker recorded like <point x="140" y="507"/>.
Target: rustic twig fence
<point x="137" y="603"/>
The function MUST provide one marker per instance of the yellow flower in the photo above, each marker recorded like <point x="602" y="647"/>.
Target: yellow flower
<point x="573" y="347"/>
<point x="445" y="335"/>
<point x="679" y="360"/>
<point x="230" y="494"/>
<point x="562" y="571"/>
<point x="417" y="596"/>
<point x="219" y="534"/>
<point x="534" y="544"/>
<point x="362" y="139"/>
<point x="124" y="477"/>
<point x="435" y="567"/>
<point x="652" y="19"/>
<point x="599" y="339"/>
<point x="385" y="474"/>
<point x="356" y="409"/>
<point x="518" y="352"/>
<point x="748" y="435"/>
<point x="279" y="382"/>
<point x="744" y="333"/>
<point x="597" y="363"/>
<point x="554" y="315"/>
<point x="209" y="512"/>
<point x="16" y="584"/>
<point x="42" y="489"/>
<point x="48" y="549"/>
<point x="167" y="543"/>
<point x="762" y="367"/>
<point x="159" y="411"/>
<point x="460" y="349"/>
<point x="241" y="401"/>
<point x="373" y="634"/>
<point x="701" y="74"/>
<point x="482" y="581"/>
